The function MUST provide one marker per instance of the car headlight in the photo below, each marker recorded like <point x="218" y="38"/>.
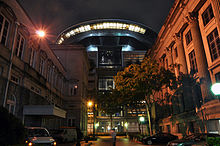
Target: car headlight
<point x="30" y="144"/>
<point x="54" y="143"/>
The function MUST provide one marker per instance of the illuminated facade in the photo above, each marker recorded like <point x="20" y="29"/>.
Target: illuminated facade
<point x="111" y="45"/>
<point x="41" y="90"/>
<point x="190" y="39"/>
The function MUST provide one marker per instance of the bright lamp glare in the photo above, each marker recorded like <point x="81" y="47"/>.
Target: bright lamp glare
<point x="40" y="33"/>
<point x="90" y="103"/>
<point x="127" y="48"/>
<point x="216" y="88"/>
<point x="126" y="124"/>
<point x="142" y="119"/>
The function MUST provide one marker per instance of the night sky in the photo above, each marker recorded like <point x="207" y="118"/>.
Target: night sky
<point x="57" y="15"/>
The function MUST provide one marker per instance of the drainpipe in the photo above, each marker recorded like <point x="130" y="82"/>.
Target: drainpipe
<point x="10" y="64"/>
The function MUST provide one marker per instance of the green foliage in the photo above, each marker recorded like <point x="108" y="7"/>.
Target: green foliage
<point x="12" y="130"/>
<point x="140" y="82"/>
<point x="109" y="102"/>
<point x="215" y="141"/>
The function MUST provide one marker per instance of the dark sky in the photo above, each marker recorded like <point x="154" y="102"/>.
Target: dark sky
<point x="57" y="15"/>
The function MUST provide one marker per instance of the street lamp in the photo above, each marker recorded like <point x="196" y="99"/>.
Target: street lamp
<point x="142" y="119"/>
<point x="90" y="104"/>
<point x="40" y="33"/>
<point x="216" y="89"/>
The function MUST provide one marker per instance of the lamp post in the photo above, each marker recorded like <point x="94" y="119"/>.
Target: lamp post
<point x="90" y="106"/>
<point x="142" y="119"/>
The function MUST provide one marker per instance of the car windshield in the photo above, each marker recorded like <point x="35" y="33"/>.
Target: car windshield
<point x="38" y="133"/>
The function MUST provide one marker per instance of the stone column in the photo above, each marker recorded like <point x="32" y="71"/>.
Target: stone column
<point x="169" y="57"/>
<point x="181" y="53"/>
<point x="201" y="60"/>
<point x="174" y="55"/>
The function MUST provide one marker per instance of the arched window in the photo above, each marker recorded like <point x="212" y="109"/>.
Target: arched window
<point x="11" y="104"/>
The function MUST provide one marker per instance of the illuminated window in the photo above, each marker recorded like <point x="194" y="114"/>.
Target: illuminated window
<point x="106" y="83"/>
<point x="214" y="44"/>
<point x="103" y="25"/>
<point x="19" y="46"/>
<point x="4" y="29"/>
<point x="207" y="15"/>
<point x="109" y="56"/>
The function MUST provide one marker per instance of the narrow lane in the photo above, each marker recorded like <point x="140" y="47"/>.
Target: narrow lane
<point x="107" y="141"/>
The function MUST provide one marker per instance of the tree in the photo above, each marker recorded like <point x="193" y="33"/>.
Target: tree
<point x="142" y="82"/>
<point x="109" y="103"/>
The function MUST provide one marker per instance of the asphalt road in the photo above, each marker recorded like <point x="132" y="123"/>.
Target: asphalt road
<point x="107" y="141"/>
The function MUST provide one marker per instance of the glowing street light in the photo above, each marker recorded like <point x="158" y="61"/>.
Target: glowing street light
<point x="216" y="89"/>
<point x="97" y="125"/>
<point x="90" y="104"/>
<point x="142" y="119"/>
<point x="126" y="125"/>
<point x="40" y="33"/>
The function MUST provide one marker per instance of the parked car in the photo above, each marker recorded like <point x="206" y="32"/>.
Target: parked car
<point x="38" y="135"/>
<point x="64" y="134"/>
<point x="159" y="138"/>
<point x="194" y="139"/>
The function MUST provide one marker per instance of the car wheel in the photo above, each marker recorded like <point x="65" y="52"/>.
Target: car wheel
<point x="149" y="142"/>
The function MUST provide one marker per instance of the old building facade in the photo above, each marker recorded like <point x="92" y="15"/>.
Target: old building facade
<point x="35" y="85"/>
<point x="188" y="43"/>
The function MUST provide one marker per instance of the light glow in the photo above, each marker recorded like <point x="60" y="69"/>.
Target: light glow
<point x="102" y="25"/>
<point x="142" y="119"/>
<point x="216" y="88"/>
<point x="126" y="125"/>
<point x="108" y="127"/>
<point x="89" y="103"/>
<point x="92" y="48"/>
<point x="127" y="48"/>
<point x="96" y="125"/>
<point x="40" y="33"/>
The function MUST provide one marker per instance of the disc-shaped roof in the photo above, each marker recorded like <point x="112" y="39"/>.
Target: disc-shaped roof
<point x="109" y="32"/>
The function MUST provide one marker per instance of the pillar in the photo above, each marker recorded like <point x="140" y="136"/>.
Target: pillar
<point x="169" y="57"/>
<point x="201" y="60"/>
<point x="181" y="53"/>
